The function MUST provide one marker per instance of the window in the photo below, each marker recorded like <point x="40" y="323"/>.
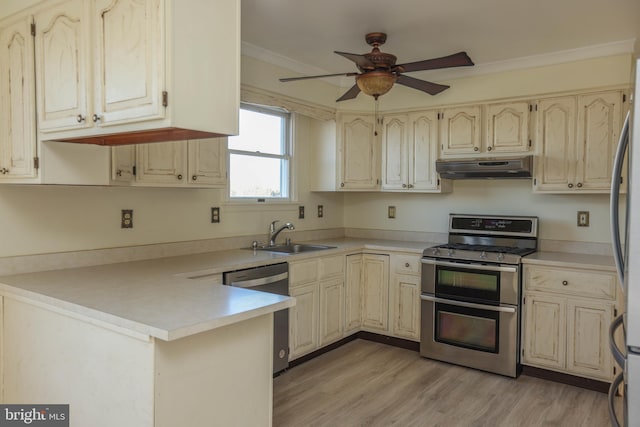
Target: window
<point x="259" y="156"/>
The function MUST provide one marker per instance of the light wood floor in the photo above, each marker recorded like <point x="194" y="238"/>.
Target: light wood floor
<point x="369" y="384"/>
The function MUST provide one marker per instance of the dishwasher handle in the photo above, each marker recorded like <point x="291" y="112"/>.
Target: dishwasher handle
<point x="252" y="283"/>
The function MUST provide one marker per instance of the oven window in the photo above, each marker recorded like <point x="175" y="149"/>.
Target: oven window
<point x="467" y="327"/>
<point x="468" y="284"/>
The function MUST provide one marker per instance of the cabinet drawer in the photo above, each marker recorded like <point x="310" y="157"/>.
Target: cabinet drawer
<point x="331" y="266"/>
<point x="303" y="272"/>
<point x="406" y="264"/>
<point x="586" y="283"/>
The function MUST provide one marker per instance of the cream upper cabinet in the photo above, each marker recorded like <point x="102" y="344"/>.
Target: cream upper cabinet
<point x="577" y="139"/>
<point x="106" y="67"/>
<point x="375" y="296"/>
<point x="208" y="162"/>
<point x="507" y="127"/>
<point x="197" y="163"/>
<point x="409" y="151"/>
<point x="63" y="71"/>
<point x="461" y="130"/>
<point x="567" y="313"/>
<point x="358" y="153"/>
<point x="18" y="146"/>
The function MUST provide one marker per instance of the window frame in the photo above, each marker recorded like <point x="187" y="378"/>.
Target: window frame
<point x="286" y="158"/>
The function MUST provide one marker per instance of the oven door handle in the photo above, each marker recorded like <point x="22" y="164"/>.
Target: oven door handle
<point x="508" y="269"/>
<point x="469" y="304"/>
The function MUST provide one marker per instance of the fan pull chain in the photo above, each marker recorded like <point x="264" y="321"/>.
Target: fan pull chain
<point x="375" y="118"/>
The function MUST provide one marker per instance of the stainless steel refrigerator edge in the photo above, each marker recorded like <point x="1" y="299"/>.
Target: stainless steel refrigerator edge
<point x="628" y="265"/>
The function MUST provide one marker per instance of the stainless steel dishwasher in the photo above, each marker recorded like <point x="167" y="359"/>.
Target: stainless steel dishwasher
<point x="273" y="279"/>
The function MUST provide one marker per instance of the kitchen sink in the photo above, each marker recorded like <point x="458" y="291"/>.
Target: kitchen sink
<point x="294" y="248"/>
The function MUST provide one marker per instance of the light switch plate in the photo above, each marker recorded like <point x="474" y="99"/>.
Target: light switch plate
<point x="583" y="218"/>
<point x="300" y="212"/>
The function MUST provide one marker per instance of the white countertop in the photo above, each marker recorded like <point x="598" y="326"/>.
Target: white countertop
<point x="570" y="260"/>
<point x="158" y="298"/>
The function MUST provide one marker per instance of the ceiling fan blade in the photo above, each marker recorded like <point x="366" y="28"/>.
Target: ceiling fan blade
<point x="460" y="59"/>
<point x="291" y="79"/>
<point x="430" y="88"/>
<point x="361" y="61"/>
<point x="350" y="94"/>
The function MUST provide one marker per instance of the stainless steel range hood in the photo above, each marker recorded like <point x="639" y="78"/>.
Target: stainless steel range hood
<point x="494" y="168"/>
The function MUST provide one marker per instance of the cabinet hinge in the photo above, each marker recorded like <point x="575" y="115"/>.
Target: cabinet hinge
<point x="36" y="162"/>
<point x="438" y="182"/>
<point x="524" y="300"/>
<point x="624" y="98"/>
<point x="615" y="312"/>
<point x="621" y="180"/>
<point x="165" y="98"/>
<point x="529" y="143"/>
<point x="33" y="28"/>
<point x="535" y="181"/>
<point x="530" y="107"/>
<point x="134" y="171"/>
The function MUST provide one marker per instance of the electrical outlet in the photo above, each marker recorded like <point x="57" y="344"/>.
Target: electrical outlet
<point x="300" y="212"/>
<point x="320" y="211"/>
<point x="126" y="220"/>
<point x="391" y="212"/>
<point x="215" y="215"/>
<point x="583" y="218"/>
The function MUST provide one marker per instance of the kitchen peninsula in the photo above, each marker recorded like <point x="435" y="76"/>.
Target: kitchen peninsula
<point x="146" y="343"/>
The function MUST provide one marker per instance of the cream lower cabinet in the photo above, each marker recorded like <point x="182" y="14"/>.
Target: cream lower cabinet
<point x="404" y="296"/>
<point x="196" y="163"/>
<point x="567" y="313"/>
<point x="375" y="293"/>
<point x="317" y="319"/>
<point x="353" y="293"/>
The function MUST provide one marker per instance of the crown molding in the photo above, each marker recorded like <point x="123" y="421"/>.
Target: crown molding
<point x="533" y="61"/>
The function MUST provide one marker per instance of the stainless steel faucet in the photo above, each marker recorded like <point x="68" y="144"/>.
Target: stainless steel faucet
<point x="273" y="233"/>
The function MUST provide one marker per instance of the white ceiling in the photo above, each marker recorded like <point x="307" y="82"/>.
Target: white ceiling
<point x="301" y="35"/>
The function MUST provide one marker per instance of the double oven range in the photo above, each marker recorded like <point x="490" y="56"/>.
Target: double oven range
<point x="471" y="292"/>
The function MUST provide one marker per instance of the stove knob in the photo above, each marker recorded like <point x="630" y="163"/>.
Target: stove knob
<point x="483" y="254"/>
<point x="436" y="251"/>
<point x="500" y="256"/>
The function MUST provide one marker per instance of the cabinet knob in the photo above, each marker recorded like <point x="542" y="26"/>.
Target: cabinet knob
<point x="179" y="176"/>
<point x="489" y="148"/>
<point x="570" y="185"/>
<point x="579" y="185"/>
<point x="407" y="265"/>
<point x="342" y="184"/>
<point x="404" y="185"/>
<point x="96" y="118"/>
<point x="565" y="283"/>
<point x="410" y="185"/>
<point x="4" y="171"/>
<point x="80" y="118"/>
<point x="475" y="148"/>
<point x="119" y="172"/>
<point x="194" y="177"/>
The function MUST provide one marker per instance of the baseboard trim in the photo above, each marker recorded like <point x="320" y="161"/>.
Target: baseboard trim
<point x="595" y="385"/>
<point x="300" y="360"/>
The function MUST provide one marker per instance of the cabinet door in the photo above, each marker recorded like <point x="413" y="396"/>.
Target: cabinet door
<point x="508" y="127"/>
<point x="588" y="340"/>
<point x="303" y="320"/>
<point x="555" y="163"/>
<point x="460" y="130"/>
<point x="599" y="124"/>
<point x="129" y="55"/>
<point x="331" y="310"/>
<point x="208" y="161"/>
<point x="162" y="162"/>
<point x="423" y="150"/>
<point x="375" y="300"/>
<point x="405" y="306"/>
<point x="63" y="67"/>
<point x="544" y="338"/>
<point x="123" y="162"/>
<point x="353" y="293"/>
<point x="17" y="111"/>
<point x="395" y="153"/>
<point x="358" y="153"/>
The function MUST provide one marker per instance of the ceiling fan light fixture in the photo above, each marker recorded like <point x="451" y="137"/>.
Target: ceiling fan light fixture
<point x="376" y="83"/>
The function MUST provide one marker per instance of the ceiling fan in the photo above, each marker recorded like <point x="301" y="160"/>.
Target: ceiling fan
<point x="379" y="72"/>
